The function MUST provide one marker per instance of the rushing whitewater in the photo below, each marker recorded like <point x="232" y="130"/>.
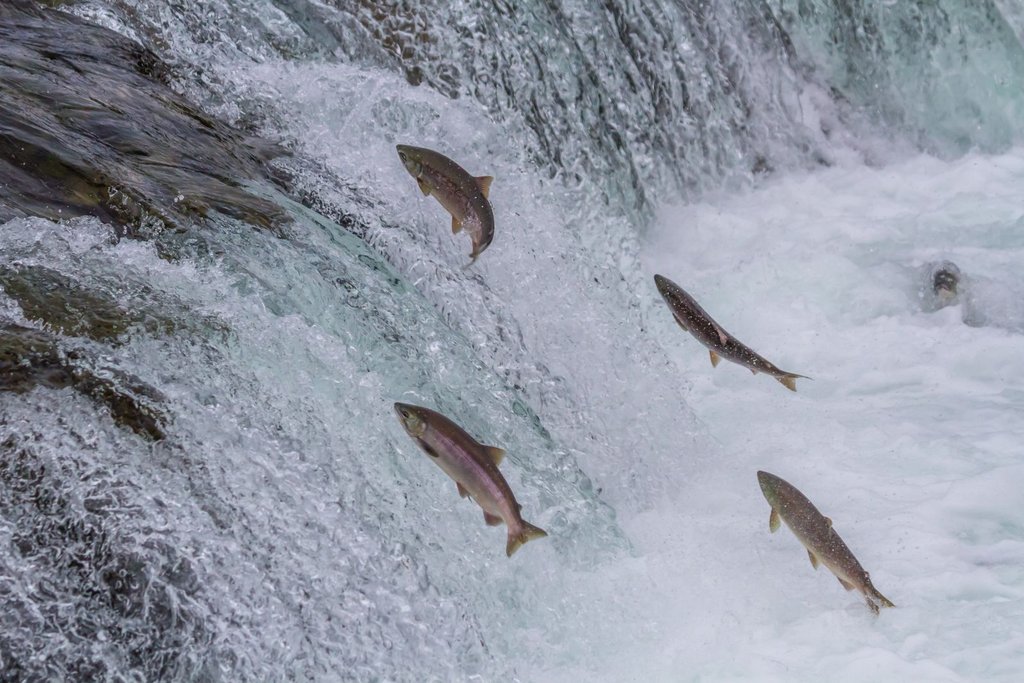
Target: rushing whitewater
<point x="228" y="279"/>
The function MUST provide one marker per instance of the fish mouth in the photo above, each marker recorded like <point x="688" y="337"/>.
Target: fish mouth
<point x="410" y="159"/>
<point x="660" y="282"/>
<point x="664" y="285"/>
<point x="411" y="418"/>
<point x="404" y="151"/>
<point x="767" y="481"/>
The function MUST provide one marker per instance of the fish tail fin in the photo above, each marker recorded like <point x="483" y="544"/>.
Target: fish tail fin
<point x="789" y="380"/>
<point x="520" y="535"/>
<point x="882" y="600"/>
<point x="472" y="260"/>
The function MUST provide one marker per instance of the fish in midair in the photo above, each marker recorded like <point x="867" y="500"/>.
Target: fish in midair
<point x="473" y="466"/>
<point x="815" y="532"/>
<point x="695" y="320"/>
<point x="462" y="195"/>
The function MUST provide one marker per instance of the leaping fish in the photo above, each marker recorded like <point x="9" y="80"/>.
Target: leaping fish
<point x="462" y="195"/>
<point x="473" y="466"/>
<point x="695" y="320"/>
<point x="815" y="532"/>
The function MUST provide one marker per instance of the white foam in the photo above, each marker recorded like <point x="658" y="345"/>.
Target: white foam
<point x="909" y="437"/>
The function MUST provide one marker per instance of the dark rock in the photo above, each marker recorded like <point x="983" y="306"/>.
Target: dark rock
<point x="31" y="358"/>
<point x="88" y="127"/>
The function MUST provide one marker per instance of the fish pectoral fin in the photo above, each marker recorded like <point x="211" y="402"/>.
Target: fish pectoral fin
<point x="462" y="490"/>
<point x="814" y="559"/>
<point x="774" y="521"/>
<point x="714" y="358"/>
<point x="753" y="371"/>
<point x="456" y="226"/>
<point x="424" y="188"/>
<point x="848" y="586"/>
<point x="492" y="520"/>
<point x="871" y="606"/>
<point x="495" y="454"/>
<point x="484" y="182"/>
<point x="722" y="336"/>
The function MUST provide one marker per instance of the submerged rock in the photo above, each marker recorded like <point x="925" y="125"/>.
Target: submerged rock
<point x="111" y="596"/>
<point x="31" y="358"/>
<point x="62" y="304"/>
<point x="70" y="308"/>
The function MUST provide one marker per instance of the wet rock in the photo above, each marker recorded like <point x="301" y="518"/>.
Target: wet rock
<point x="89" y="127"/>
<point x="63" y="305"/>
<point x="67" y="307"/>
<point x="31" y="358"/>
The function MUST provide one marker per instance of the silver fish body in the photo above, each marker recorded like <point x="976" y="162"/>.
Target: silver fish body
<point x="815" y="533"/>
<point x="695" y="320"/>
<point x="473" y="466"/>
<point x="462" y="195"/>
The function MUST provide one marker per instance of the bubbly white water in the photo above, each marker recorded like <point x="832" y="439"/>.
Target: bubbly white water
<point x="909" y="436"/>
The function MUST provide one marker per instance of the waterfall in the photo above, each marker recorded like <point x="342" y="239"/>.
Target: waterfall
<point x="216" y="278"/>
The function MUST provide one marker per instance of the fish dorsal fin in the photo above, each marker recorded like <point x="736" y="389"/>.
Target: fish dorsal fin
<point x="495" y="454"/>
<point x="462" y="490"/>
<point x="484" y="182"/>
<point x="814" y="559"/>
<point x="847" y="586"/>
<point x="714" y="358"/>
<point x="423" y="186"/>
<point x="456" y="225"/>
<point x="773" y="521"/>
<point x="492" y="520"/>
